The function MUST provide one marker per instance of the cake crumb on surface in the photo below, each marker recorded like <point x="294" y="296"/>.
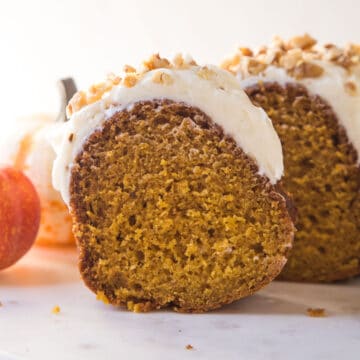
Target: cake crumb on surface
<point x="102" y="297"/>
<point x="189" y="347"/>
<point x="56" y="309"/>
<point x="316" y="312"/>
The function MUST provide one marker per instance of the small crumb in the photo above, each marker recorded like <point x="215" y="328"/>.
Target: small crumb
<point x="1" y="304"/>
<point x="139" y="307"/>
<point x="71" y="137"/>
<point x="189" y="347"/>
<point x="316" y="312"/>
<point x="56" y="309"/>
<point x="102" y="297"/>
<point x="205" y="73"/>
<point x="350" y="87"/>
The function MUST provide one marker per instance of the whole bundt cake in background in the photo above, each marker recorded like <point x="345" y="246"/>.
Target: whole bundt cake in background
<point x="312" y="95"/>
<point x="172" y="179"/>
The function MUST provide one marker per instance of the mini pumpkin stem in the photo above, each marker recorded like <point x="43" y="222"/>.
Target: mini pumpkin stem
<point x="67" y="89"/>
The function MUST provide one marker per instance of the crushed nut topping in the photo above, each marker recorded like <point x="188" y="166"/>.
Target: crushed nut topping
<point x="205" y="73"/>
<point x="255" y="67"/>
<point x="302" y="42"/>
<point x="350" y="88"/>
<point x="156" y="62"/>
<point x="306" y="70"/>
<point x="130" y="79"/>
<point x="297" y="56"/>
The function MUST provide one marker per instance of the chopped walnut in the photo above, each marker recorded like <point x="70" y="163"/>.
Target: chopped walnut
<point x="78" y="101"/>
<point x="132" y="76"/>
<point x="291" y="59"/>
<point x="306" y="70"/>
<point x="181" y="63"/>
<point x="96" y="91"/>
<point x="113" y="79"/>
<point x="302" y="42"/>
<point x="163" y="78"/>
<point x="205" y="73"/>
<point x="232" y="64"/>
<point x="246" y="51"/>
<point x="350" y="88"/>
<point x="156" y="62"/>
<point x="130" y="80"/>
<point x="332" y="53"/>
<point x="189" y="347"/>
<point x="296" y="56"/>
<point x="255" y="67"/>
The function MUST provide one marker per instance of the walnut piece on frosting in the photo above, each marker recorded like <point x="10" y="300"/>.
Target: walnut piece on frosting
<point x="255" y="67"/>
<point x="306" y="70"/>
<point x="156" y="62"/>
<point x="299" y="57"/>
<point x="130" y="79"/>
<point x="302" y="42"/>
<point x="350" y="88"/>
<point x="205" y="73"/>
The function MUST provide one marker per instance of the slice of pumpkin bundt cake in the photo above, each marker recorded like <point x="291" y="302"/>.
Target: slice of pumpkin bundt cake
<point x="312" y="95"/>
<point x="172" y="178"/>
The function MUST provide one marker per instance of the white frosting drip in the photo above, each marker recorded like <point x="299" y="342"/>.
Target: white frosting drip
<point x="330" y="86"/>
<point x="220" y="97"/>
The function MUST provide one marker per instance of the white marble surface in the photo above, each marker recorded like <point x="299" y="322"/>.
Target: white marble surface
<point x="42" y="40"/>
<point x="273" y="324"/>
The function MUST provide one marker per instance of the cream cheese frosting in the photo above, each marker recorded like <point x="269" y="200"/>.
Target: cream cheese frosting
<point x="214" y="91"/>
<point x="328" y="71"/>
<point x="329" y="86"/>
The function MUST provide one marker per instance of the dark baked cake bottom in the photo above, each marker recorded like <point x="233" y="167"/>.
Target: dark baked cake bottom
<point x="169" y="212"/>
<point x="322" y="175"/>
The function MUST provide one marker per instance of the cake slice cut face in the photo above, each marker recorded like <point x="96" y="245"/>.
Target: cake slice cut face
<point x="312" y="95"/>
<point x="168" y="209"/>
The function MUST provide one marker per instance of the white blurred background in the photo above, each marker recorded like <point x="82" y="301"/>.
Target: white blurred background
<point x="43" y="40"/>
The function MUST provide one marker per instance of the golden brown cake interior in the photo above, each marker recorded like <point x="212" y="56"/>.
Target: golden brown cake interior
<point x="170" y="212"/>
<point x="322" y="175"/>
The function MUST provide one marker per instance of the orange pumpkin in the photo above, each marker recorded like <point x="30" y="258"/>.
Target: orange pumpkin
<point x="27" y="149"/>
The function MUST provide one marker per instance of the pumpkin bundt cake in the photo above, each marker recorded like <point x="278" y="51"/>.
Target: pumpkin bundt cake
<point x="172" y="179"/>
<point x="312" y="95"/>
